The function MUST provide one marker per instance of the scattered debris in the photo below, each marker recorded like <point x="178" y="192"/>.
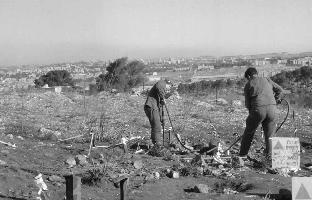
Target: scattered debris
<point x="232" y="186"/>
<point x="41" y="185"/>
<point x="199" y="161"/>
<point x="237" y="103"/>
<point x="173" y="174"/>
<point x="2" y="162"/>
<point x="156" y="175"/>
<point x="159" y="151"/>
<point x="93" y="176"/>
<point x="238" y="161"/>
<point x="202" y="188"/>
<point x="81" y="160"/>
<point x="283" y="172"/>
<point x="8" y="144"/>
<point x="55" y="178"/>
<point x="140" y="151"/>
<point x="47" y="134"/>
<point x="71" y="138"/>
<point x="20" y="137"/>
<point x="5" y="151"/>
<point x="71" y="162"/>
<point x="138" y="164"/>
<point x="229" y="191"/>
<point x="199" y="170"/>
<point x="10" y="136"/>
<point x="221" y="101"/>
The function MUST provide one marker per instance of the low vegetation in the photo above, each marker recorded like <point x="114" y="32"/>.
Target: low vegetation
<point x="55" y="78"/>
<point x="299" y="82"/>
<point x="121" y="75"/>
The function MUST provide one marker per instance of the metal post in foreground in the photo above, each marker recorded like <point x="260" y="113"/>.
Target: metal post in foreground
<point x="73" y="187"/>
<point x="122" y="182"/>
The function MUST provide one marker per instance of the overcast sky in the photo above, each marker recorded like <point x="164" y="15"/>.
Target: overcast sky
<point x="50" y="31"/>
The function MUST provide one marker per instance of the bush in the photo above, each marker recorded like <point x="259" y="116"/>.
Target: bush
<point x="93" y="176"/>
<point x="55" y="78"/>
<point x="121" y="75"/>
<point x="287" y="79"/>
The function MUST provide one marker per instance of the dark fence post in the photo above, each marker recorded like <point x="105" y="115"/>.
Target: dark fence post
<point x="73" y="187"/>
<point x="122" y="182"/>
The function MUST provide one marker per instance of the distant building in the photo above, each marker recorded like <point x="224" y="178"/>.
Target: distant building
<point x="261" y="62"/>
<point x="205" y="67"/>
<point x="153" y="78"/>
<point x="182" y="69"/>
<point x="282" y="61"/>
<point x="306" y="61"/>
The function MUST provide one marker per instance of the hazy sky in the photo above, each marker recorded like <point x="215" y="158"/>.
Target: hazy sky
<point x="48" y="31"/>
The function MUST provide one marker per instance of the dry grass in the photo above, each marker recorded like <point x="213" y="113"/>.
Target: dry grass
<point x="197" y="119"/>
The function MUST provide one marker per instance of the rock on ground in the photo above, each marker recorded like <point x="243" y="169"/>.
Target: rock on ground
<point x="48" y="134"/>
<point x="201" y="188"/>
<point x="174" y="174"/>
<point x="138" y="164"/>
<point x="71" y="162"/>
<point x="81" y="160"/>
<point x="55" y="178"/>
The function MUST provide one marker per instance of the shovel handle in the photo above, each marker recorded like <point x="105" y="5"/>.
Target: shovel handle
<point x="175" y="132"/>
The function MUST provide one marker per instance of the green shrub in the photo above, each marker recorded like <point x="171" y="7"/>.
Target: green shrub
<point x="121" y="75"/>
<point x="55" y="78"/>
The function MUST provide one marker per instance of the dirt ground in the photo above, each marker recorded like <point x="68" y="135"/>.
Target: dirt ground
<point x="32" y="157"/>
<point x="197" y="123"/>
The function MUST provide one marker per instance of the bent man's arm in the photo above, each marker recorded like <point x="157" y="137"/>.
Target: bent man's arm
<point x="247" y="96"/>
<point x="161" y="90"/>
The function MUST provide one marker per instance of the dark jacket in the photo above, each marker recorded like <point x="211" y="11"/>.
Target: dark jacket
<point x="156" y="95"/>
<point x="261" y="91"/>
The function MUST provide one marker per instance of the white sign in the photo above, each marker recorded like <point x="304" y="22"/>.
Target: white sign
<point x="285" y="152"/>
<point x="301" y="188"/>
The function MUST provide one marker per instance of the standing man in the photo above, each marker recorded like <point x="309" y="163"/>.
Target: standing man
<point x="261" y="95"/>
<point x="153" y="107"/>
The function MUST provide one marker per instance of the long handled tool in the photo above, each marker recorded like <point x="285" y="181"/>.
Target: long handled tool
<point x="176" y="134"/>
<point x="288" y="107"/>
<point x="163" y="123"/>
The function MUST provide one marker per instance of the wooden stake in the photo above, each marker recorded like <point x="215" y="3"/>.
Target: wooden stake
<point x="91" y="144"/>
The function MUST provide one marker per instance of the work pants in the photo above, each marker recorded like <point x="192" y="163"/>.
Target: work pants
<point x="264" y="115"/>
<point x="154" y="118"/>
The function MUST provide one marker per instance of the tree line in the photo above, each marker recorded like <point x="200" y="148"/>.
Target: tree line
<point x="122" y="75"/>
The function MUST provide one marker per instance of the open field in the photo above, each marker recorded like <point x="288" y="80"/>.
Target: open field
<point x="36" y="121"/>
<point x="223" y="73"/>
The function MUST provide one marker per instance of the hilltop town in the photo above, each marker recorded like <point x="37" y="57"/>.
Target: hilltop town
<point x="181" y="69"/>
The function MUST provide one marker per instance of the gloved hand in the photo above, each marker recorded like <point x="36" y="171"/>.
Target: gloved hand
<point x="278" y="101"/>
<point x="162" y="123"/>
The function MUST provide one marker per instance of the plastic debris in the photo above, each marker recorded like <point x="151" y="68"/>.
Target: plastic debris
<point x="41" y="185"/>
<point x="8" y="144"/>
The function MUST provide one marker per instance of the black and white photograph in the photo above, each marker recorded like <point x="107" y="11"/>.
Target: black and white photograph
<point x="155" y="99"/>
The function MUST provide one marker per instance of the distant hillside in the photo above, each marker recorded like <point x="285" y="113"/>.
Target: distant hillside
<point x="283" y="55"/>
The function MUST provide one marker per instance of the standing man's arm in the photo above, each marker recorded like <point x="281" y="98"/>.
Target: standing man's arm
<point x="278" y="90"/>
